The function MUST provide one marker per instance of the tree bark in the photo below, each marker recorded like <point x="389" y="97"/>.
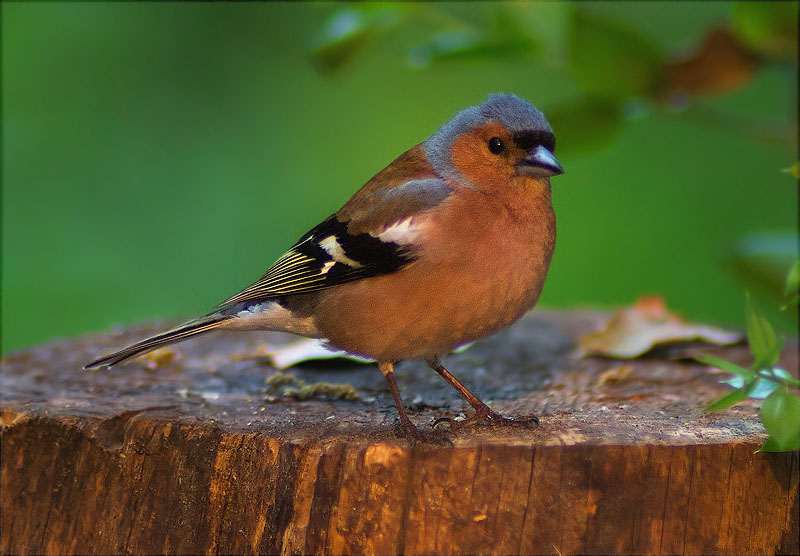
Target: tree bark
<point x="204" y="456"/>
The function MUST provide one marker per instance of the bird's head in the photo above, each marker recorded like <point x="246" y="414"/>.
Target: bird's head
<point x="502" y="138"/>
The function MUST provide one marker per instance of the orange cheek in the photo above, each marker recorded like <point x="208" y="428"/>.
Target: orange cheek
<point x="473" y="160"/>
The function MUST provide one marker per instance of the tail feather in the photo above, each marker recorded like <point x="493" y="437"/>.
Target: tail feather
<point x="178" y="334"/>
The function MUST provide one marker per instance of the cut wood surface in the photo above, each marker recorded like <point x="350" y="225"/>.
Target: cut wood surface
<point x="206" y="455"/>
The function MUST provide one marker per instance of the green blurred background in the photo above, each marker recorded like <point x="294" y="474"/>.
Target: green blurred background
<point x="158" y="157"/>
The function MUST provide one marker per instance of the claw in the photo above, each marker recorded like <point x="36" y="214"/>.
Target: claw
<point x="486" y="417"/>
<point x="482" y="412"/>
<point x="449" y="420"/>
<point x="497" y="419"/>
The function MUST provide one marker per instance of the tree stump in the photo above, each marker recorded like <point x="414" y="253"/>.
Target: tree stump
<point x="204" y="457"/>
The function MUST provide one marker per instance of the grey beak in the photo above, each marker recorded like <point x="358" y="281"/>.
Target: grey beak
<point x="540" y="162"/>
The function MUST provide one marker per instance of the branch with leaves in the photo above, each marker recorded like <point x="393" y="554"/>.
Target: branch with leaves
<point x="620" y="72"/>
<point x="780" y="410"/>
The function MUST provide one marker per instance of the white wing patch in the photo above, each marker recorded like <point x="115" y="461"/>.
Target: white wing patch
<point x="326" y="267"/>
<point x="331" y="246"/>
<point x="313" y="264"/>
<point x="402" y="232"/>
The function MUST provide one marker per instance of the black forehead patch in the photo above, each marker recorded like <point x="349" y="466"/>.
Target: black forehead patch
<point x="531" y="139"/>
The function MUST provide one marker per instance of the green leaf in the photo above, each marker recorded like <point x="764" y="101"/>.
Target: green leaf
<point x="761" y="260"/>
<point x="791" y="303"/>
<point x="792" y="282"/>
<point x="764" y="389"/>
<point x="348" y="30"/>
<point x="776" y="374"/>
<point x="764" y="345"/>
<point x="769" y="28"/>
<point x="505" y="38"/>
<point x="729" y="399"/>
<point x="734" y="397"/>
<point x="467" y="44"/>
<point x="610" y="60"/>
<point x="775" y="354"/>
<point x="771" y="445"/>
<point x="734" y="381"/>
<point x="727" y="366"/>
<point x="766" y="386"/>
<point x="780" y="414"/>
<point x="342" y="35"/>
<point x="781" y="373"/>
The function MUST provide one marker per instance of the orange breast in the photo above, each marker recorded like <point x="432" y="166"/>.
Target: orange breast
<point x="482" y="266"/>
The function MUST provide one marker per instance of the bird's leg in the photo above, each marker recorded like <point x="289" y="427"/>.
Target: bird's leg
<point x="388" y="372"/>
<point x="408" y="427"/>
<point x="482" y="411"/>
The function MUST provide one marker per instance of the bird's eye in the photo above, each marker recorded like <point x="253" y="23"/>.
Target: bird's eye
<point x="496" y="145"/>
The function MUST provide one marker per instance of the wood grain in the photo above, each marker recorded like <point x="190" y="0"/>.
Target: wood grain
<point x="197" y="457"/>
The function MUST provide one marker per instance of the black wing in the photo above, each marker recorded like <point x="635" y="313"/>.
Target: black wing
<point x="326" y="256"/>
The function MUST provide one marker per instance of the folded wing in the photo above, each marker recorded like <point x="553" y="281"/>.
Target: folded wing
<point x="350" y="246"/>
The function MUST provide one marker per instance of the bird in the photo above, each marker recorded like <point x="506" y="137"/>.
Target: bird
<point x="449" y="243"/>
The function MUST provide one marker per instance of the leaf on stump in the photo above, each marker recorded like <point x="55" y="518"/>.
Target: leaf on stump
<point x="634" y="331"/>
<point x="288" y="355"/>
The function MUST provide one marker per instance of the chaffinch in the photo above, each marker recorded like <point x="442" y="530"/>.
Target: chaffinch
<point x="449" y="243"/>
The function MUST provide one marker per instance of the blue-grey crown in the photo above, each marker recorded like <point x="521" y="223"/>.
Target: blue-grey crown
<point x="514" y="113"/>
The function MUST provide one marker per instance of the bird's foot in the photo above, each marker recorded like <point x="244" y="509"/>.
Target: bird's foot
<point x="485" y="416"/>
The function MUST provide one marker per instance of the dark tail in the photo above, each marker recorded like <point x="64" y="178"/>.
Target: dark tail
<point x="182" y="332"/>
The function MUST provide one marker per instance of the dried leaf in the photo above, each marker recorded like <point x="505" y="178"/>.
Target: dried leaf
<point x="158" y="358"/>
<point x="261" y="352"/>
<point x="634" y="331"/>
<point x="720" y="64"/>
<point x="614" y="375"/>
<point x="299" y="389"/>
<point x="288" y="355"/>
<point x="307" y="349"/>
<point x="323" y="390"/>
